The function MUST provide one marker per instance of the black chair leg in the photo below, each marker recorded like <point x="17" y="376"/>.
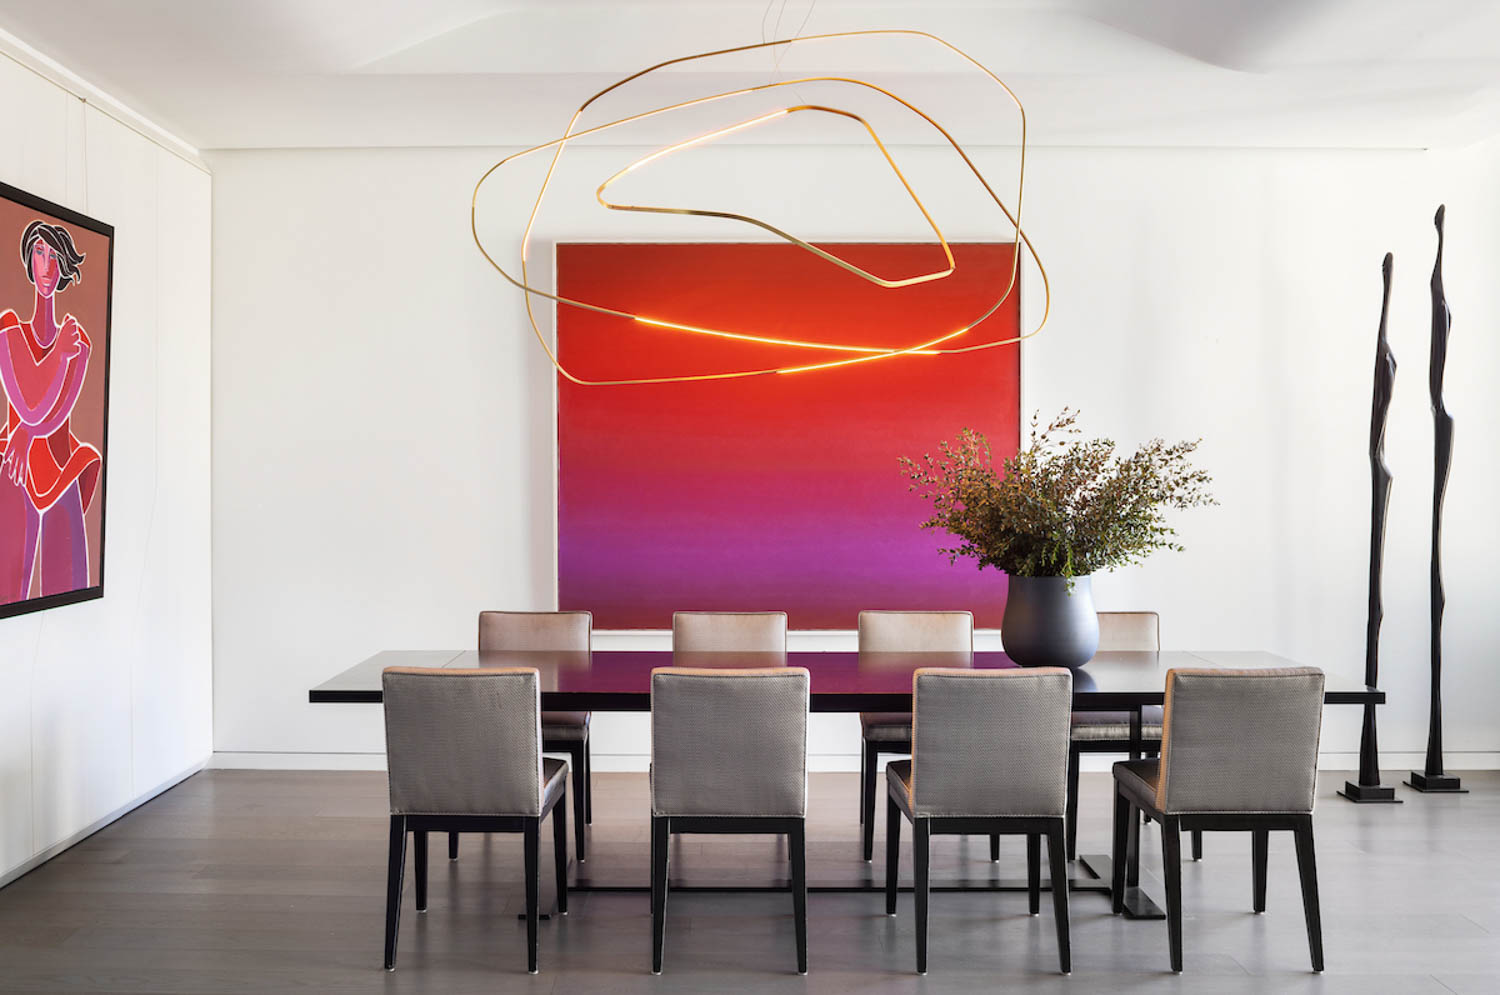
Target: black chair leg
<point x="578" y="753"/>
<point x="1124" y="816"/>
<point x="1057" y="858"/>
<point x="533" y="899"/>
<point x="1260" y="845"/>
<point x="995" y="847"/>
<point x="1171" y="856"/>
<point x="892" y="852"/>
<point x="920" y="838"/>
<point x="1133" y="853"/>
<point x="452" y="846"/>
<point x="419" y="858"/>
<point x="1034" y="873"/>
<point x="864" y="785"/>
<point x="560" y="851"/>
<point x="1307" y="870"/>
<point x="872" y="761"/>
<point x="1072" y="810"/>
<point x="660" y="827"/>
<point x="797" y="841"/>
<point x="394" y="877"/>
<point x="588" y="782"/>
<point x="1197" y="844"/>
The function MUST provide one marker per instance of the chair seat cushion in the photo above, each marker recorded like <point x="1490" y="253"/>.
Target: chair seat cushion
<point x="565" y="725"/>
<point x="886" y="727"/>
<point x="898" y="783"/>
<point x="554" y="780"/>
<point x="1138" y="780"/>
<point x="1115" y="726"/>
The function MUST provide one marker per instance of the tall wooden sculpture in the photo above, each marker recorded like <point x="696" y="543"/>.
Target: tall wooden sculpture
<point x="1369" y="788"/>
<point x="1433" y="777"/>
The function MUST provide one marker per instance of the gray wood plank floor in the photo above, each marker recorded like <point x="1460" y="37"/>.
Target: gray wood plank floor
<point x="247" y="881"/>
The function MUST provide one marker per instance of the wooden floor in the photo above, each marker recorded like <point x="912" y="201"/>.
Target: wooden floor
<point x="244" y="881"/>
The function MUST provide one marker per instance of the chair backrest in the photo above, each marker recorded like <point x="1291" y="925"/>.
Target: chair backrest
<point x="1240" y="740"/>
<point x="743" y="632"/>
<point x="522" y="631"/>
<point x="990" y="742"/>
<point x="463" y="742"/>
<point x="729" y="742"/>
<point x="916" y="632"/>
<point x="1129" y="631"/>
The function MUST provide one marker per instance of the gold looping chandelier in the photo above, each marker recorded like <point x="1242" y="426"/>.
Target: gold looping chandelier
<point x="939" y="344"/>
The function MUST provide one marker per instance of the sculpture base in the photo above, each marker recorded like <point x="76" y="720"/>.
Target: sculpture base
<point x="1370" y="794"/>
<point x="1436" y="783"/>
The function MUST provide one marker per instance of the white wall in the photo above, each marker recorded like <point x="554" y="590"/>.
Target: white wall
<point x="383" y="423"/>
<point x="108" y="700"/>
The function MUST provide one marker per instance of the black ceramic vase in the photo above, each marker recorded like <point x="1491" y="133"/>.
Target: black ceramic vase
<point x="1046" y="625"/>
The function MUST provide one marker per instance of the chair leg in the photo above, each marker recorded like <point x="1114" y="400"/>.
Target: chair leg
<point x="660" y="827"/>
<point x="1124" y="816"/>
<point x="872" y="762"/>
<point x="1057" y="858"/>
<point x="864" y="766"/>
<point x="419" y="858"/>
<point x="1034" y="872"/>
<point x="1072" y="809"/>
<point x="995" y="847"/>
<point x="892" y="852"/>
<point x="1171" y="856"/>
<point x="1197" y="844"/>
<point x="1260" y="845"/>
<point x="452" y="846"/>
<point x="576" y="753"/>
<point x="1307" y="870"/>
<point x="920" y="838"/>
<point x="533" y="834"/>
<point x="560" y="851"/>
<point x="797" y="841"/>
<point x="588" y="781"/>
<point x="1133" y="853"/>
<point x="394" y="877"/>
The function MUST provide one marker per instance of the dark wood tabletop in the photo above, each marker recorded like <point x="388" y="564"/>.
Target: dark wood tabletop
<point x="620" y="680"/>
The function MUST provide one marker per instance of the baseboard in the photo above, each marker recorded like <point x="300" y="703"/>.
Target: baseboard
<point x="42" y="857"/>
<point x="819" y="763"/>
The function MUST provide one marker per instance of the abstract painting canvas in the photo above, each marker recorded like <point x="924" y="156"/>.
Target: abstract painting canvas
<point x="776" y="492"/>
<point x="55" y="282"/>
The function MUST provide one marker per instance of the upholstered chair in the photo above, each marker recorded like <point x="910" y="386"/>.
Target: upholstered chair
<point x="1239" y="753"/>
<point x="729" y="632"/>
<point x="562" y="732"/>
<point x="989" y="755"/>
<point x="464" y="754"/>
<point x="728" y="755"/>
<point x="890" y="732"/>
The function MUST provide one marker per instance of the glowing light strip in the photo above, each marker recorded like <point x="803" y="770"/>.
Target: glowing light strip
<point x="559" y="144"/>
<point x="697" y="330"/>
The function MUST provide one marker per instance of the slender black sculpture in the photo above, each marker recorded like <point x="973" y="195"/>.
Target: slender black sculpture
<point x="1433" y="777"/>
<point x="1369" y="788"/>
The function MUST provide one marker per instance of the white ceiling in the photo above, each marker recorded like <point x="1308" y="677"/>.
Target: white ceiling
<point x="285" y="73"/>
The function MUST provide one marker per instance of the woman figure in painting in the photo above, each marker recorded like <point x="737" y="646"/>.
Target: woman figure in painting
<point x="47" y="477"/>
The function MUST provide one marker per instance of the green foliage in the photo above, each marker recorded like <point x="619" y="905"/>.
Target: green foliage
<point x="1062" y="506"/>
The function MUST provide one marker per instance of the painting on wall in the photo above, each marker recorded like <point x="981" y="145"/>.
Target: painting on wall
<point x="775" y="492"/>
<point x="56" y="270"/>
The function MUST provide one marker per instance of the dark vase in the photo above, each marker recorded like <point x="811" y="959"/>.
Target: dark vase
<point x="1046" y="625"/>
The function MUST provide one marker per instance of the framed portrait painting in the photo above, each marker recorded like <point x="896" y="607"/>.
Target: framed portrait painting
<point x="56" y="272"/>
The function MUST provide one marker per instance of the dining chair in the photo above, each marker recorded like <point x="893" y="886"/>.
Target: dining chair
<point x="1109" y="732"/>
<point x="1239" y="753"/>
<point x="728" y="755"/>
<point x="989" y="755"/>
<point x="562" y="732"/>
<point x="890" y="732"/>
<point x="718" y="632"/>
<point x="464" y="755"/>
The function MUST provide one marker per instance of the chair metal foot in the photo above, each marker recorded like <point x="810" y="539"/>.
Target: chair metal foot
<point x="533" y="971"/>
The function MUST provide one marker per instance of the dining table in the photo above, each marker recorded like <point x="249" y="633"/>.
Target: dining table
<point x="852" y="681"/>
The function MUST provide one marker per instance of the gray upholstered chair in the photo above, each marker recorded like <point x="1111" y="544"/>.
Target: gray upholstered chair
<point x="890" y="732"/>
<point x="728" y="755"/>
<point x="729" y="632"/>
<point x="464" y="754"/>
<point x="1239" y="752"/>
<point x="989" y="755"/>
<point x="562" y="732"/>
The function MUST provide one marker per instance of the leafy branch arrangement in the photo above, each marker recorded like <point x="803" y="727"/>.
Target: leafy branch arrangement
<point x="1062" y="506"/>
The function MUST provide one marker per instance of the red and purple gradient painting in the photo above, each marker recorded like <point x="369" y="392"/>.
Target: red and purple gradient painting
<point x="778" y="492"/>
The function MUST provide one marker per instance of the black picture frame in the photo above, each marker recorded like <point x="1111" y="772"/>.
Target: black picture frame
<point x="68" y="216"/>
